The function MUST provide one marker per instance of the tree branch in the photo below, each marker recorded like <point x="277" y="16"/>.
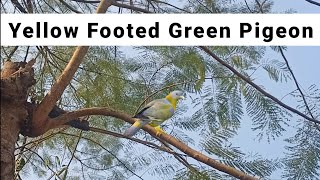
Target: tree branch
<point x="297" y="85"/>
<point x="165" y="137"/>
<point x="75" y="148"/>
<point x="210" y="53"/>
<point x="12" y="52"/>
<point x="146" y="143"/>
<point x="167" y="149"/>
<point x="296" y="82"/>
<point x="19" y="6"/>
<point x="163" y="2"/>
<point x="84" y="1"/>
<point x="40" y="115"/>
<point x="130" y="7"/>
<point x="70" y="7"/>
<point x="104" y="148"/>
<point x="313" y="2"/>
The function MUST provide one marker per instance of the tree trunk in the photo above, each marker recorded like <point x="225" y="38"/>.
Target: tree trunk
<point x="16" y="79"/>
<point x="9" y="134"/>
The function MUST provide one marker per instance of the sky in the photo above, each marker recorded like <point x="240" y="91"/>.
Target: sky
<point x="305" y="63"/>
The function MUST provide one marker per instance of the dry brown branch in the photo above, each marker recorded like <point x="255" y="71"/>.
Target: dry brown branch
<point x="165" y="137"/>
<point x="165" y="148"/>
<point x="40" y="121"/>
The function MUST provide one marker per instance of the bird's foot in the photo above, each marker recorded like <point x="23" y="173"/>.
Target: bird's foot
<point x="159" y="131"/>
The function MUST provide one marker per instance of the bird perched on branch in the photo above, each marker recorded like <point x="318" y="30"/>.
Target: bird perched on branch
<point x="155" y="113"/>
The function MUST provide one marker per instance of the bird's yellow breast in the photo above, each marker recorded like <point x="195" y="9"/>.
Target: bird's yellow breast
<point x="172" y="101"/>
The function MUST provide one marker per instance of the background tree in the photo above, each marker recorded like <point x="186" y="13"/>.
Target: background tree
<point x="119" y="80"/>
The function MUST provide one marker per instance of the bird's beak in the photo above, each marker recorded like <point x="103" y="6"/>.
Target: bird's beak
<point x="182" y="97"/>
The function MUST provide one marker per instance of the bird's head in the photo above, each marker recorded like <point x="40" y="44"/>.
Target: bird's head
<point x="176" y="95"/>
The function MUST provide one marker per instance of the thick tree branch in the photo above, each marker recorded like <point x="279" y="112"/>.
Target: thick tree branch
<point x="29" y="6"/>
<point x="165" y="148"/>
<point x="146" y="143"/>
<point x="16" y="78"/>
<point x="49" y="101"/>
<point x="210" y="53"/>
<point x="165" y="137"/>
<point x="40" y="116"/>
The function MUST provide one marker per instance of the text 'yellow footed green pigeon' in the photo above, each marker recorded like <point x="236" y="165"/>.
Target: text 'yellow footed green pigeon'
<point x="155" y="113"/>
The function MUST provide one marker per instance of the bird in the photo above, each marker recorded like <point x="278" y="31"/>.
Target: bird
<point x="155" y="113"/>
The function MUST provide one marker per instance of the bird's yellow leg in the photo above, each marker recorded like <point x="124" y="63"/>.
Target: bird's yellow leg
<point x="159" y="130"/>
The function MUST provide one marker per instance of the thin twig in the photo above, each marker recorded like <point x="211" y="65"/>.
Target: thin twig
<point x="62" y="119"/>
<point x="24" y="141"/>
<point x="37" y="141"/>
<point x="70" y="7"/>
<point x="151" y="145"/>
<point x="75" y="148"/>
<point x="146" y="143"/>
<point x="130" y="7"/>
<point x="210" y="53"/>
<point x="83" y="1"/>
<point x="27" y="53"/>
<point x="19" y="6"/>
<point x="313" y="2"/>
<point x="297" y="85"/>
<point x="296" y="82"/>
<point x="123" y="164"/>
<point x="162" y="2"/>
<point x="204" y="6"/>
<point x="12" y="52"/>
<point x="248" y="6"/>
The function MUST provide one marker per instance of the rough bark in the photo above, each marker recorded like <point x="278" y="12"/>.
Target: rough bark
<point x="16" y="79"/>
<point x="41" y="123"/>
<point x="20" y="116"/>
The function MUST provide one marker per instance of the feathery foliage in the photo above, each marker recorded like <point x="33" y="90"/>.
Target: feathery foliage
<point x="123" y="77"/>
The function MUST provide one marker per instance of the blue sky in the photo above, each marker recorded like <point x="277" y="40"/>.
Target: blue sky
<point x="305" y="63"/>
<point x="300" y="6"/>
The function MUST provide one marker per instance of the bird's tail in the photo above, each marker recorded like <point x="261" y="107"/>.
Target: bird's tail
<point x="134" y="128"/>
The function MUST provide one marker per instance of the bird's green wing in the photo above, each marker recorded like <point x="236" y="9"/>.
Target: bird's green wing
<point x="161" y="109"/>
<point x="140" y="113"/>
